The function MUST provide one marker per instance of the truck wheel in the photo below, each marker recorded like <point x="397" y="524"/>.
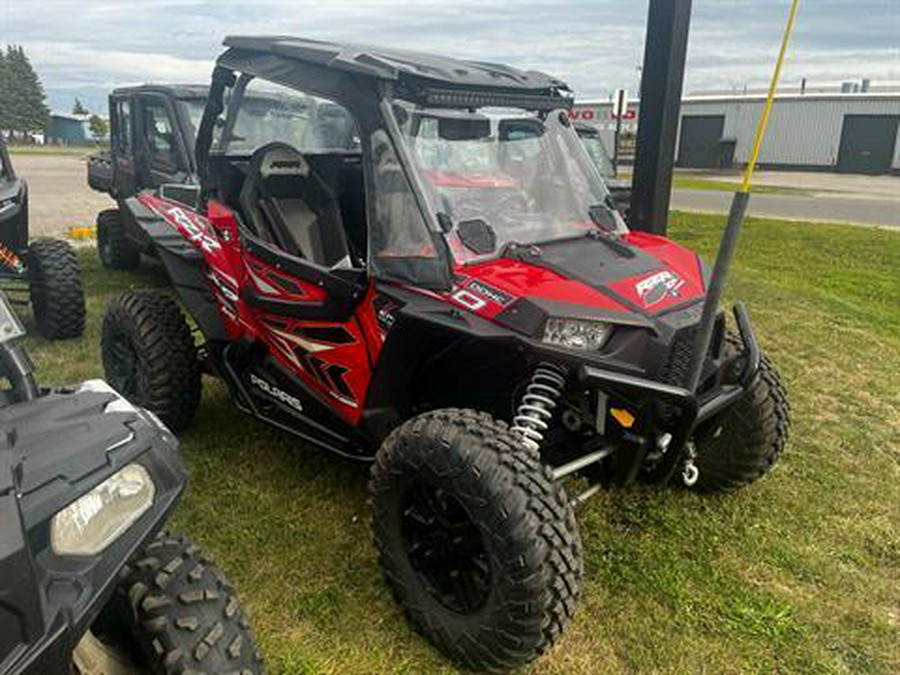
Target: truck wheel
<point x="57" y="298"/>
<point x="478" y="543"/>
<point x="116" y="252"/>
<point x="149" y="356"/>
<point x="743" y="443"/>
<point x="181" y="613"/>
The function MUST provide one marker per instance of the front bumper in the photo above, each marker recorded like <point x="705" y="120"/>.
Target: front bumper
<point x="692" y="409"/>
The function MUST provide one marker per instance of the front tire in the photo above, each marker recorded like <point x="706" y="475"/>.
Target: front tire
<point x="150" y="358"/>
<point x="744" y="442"/>
<point x="57" y="297"/>
<point x="180" y="613"/>
<point x="113" y="247"/>
<point x="478" y="543"/>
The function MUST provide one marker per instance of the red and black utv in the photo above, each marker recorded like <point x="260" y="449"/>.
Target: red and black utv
<point x="411" y="260"/>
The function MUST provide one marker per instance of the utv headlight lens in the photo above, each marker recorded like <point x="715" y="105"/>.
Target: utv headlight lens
<point x="576" y="333"/>
<point x="91" y="523"/>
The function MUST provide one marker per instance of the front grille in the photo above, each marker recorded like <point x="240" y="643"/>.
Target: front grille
<point x="674" y="370"/>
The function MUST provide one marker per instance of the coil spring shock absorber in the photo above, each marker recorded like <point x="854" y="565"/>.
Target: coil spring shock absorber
<point x="536" y="409"/>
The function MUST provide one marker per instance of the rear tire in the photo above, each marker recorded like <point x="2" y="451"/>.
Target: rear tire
<point x="456" y="487"/>
<point x="744" y="442"/>
<point x="113" y="247"/>
<point x="181" y="613"/>
<point x="149" y="356"/>
<point x="57" y="298"/>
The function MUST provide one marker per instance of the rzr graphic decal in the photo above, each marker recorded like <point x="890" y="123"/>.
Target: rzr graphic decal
<point x="310" y="350"/>
<point x="271" y="282"/>
<point x="657" y="287"/>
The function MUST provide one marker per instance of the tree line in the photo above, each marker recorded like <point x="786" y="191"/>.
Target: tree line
<point x="22" y="107"/>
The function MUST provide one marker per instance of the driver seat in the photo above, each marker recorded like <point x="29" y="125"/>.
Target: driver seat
<point x="286" y="203"/>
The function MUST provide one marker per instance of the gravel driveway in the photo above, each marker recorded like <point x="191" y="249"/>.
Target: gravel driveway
<point x="59" y="194"/>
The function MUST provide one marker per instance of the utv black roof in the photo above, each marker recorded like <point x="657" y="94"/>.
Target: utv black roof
<point x="178" y="91"/>
<point x="422" y="78"/>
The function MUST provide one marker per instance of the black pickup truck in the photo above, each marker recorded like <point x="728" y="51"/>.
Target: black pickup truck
<point x="151" y="146"/>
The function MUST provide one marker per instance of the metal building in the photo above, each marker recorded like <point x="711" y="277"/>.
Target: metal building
<point x="845" y="132"/>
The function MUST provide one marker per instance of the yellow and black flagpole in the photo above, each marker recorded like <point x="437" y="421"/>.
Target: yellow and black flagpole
<point x="733" y="227"/>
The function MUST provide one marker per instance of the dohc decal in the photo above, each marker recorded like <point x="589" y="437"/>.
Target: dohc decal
<point x="659" y="286"/>
<point x="489" y="292"/>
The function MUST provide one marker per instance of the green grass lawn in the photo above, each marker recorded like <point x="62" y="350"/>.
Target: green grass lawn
<point x="696" y="183"/>
<point x="800" y="573"/>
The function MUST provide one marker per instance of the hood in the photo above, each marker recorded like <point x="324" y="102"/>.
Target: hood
<point x="633" y="278"/>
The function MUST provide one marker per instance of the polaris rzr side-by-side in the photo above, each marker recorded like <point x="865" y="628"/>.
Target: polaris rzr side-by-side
<point x="46" y="269"/>
<point x="90" y="584"/>
<point x="411" y="261"/>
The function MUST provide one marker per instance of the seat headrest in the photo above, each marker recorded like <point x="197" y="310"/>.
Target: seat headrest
<point x="279" y="159"/>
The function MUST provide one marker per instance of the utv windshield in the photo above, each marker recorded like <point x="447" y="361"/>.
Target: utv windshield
<point x="495" y="177"/>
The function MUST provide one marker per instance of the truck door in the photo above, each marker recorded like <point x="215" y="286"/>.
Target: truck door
<point x="159" y="148"/>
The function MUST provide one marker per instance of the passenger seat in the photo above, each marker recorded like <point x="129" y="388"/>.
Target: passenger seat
<point x="286" y="203"/>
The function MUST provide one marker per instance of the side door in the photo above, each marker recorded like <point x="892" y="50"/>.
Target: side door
<point x="160" y="153"/>
<point x="317" y="322"/>
<point x="121" y="110"/>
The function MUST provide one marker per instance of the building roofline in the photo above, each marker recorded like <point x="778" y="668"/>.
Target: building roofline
<point x="757" y="98"/>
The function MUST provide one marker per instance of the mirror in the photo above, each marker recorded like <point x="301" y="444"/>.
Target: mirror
<point x="477" y="236"/>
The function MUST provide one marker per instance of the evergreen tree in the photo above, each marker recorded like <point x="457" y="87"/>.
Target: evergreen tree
<point x="6" y="95"/>
<point x="99" y="128"/>
<point x="28" y="113"/>
<point x="78" y="108"/>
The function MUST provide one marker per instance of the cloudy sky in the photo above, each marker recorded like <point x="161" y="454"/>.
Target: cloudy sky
<point x="86" y="47"/>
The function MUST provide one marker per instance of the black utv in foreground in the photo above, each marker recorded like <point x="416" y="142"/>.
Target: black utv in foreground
<point x="47" y="269"/>
<point x="89" y="582"/>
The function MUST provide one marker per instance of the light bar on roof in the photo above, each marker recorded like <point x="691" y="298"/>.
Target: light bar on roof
<point x="454" y="98"/>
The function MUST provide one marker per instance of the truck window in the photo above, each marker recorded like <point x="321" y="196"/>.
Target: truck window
<point x="159" y="136"/>
<point x="122" y="131"/>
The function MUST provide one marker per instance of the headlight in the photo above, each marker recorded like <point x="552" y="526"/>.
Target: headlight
<point x="576" y="333"/>
<point x="91" y="523"/>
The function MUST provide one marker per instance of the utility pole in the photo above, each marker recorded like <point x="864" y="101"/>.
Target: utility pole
<point x="662" y="78"/>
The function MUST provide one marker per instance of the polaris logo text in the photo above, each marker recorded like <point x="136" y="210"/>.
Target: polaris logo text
<point x="276" y="393"/>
